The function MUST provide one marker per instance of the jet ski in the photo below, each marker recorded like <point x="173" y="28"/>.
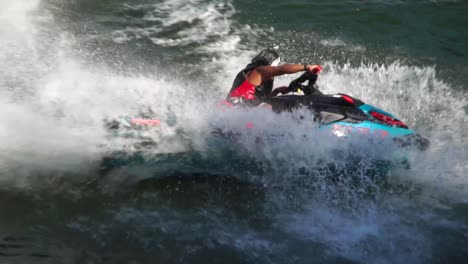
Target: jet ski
<point x="375" y="141"/>
<point x="340" y="114"/>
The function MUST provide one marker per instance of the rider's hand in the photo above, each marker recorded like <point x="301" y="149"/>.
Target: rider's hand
<point x="315" y="69"/>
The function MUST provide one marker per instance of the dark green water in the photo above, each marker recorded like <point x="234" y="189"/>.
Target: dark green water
<point x="68" y="65"/>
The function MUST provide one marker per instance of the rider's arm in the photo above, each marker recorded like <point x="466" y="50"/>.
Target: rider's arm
<point x="262" y="74"/>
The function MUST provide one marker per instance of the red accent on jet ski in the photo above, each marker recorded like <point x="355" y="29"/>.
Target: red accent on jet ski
<point x="249" y="125"/>
<point x="145" y="122"/>
<point x="347" y="99"/>
<point x="388" y="120"/>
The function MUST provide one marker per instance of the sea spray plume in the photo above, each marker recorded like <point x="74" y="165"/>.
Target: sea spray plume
<point x="291" y="146"/>
<point x="422" y="100"/>
<point x="49" y="88"/>
<point x="19" y="49"/>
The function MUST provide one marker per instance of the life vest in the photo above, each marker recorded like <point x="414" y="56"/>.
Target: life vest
<point x="243" y="90"/>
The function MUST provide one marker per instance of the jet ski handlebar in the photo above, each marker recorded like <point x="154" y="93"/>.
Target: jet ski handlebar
<point x="310" y="89"/>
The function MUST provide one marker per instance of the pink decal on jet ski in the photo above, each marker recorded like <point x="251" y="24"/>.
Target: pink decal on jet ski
<point x="342" y="130"/>
<point x="145" y="122"/>
<point x="363" y="130"/>
<point x="383" y="133"/>
<point x="223" y="105"/>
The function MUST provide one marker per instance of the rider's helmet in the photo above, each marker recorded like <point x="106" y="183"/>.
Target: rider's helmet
<point x="267" y="57"/>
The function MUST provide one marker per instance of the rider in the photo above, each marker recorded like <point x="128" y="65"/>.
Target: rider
<point x="255" y="82"/>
